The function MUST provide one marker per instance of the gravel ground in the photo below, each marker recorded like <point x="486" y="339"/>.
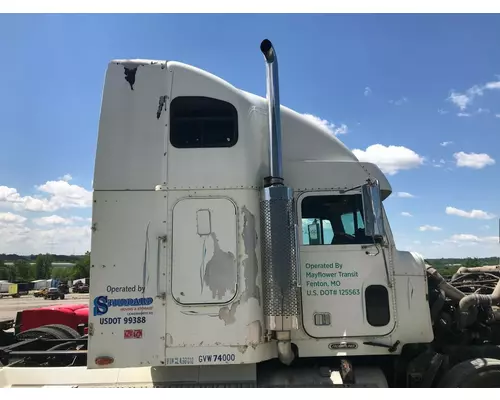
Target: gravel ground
<point x="9" y="306"/>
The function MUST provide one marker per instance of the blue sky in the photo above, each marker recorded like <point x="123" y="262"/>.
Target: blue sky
<point x="413" y="81"/>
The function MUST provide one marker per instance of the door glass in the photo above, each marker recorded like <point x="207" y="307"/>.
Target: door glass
<point x="333" y="220"/>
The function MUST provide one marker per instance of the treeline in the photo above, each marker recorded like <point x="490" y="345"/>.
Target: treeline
<point x="448" y="266"/>
<point x="23" y="271"/>
<point x="60" y="258"/>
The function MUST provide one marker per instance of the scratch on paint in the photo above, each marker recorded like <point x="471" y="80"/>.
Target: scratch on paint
<point x="162" y="104"/>
<point x="196" y="314"/>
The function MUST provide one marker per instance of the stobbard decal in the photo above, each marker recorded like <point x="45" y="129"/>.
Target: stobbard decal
<point x="102" y="303"/>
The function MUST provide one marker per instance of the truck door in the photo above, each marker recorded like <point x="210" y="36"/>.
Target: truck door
<point x="345" y="290"/>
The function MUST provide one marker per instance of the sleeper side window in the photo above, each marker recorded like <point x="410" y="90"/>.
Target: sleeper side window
<point x="202" y="122"/>
<point x="333" y="220"/>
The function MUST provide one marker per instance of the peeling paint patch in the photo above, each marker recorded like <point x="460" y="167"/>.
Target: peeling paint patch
<point x="170" y="339"/>
<point x="251" y="263"/>
<point x="162" y="104"/>
<point x="220" y="273"/>
<point x="227" y="314"/>
<point x="130" y="76"/>
<point x="254" y="333"/>
<point x="242" y="349"/>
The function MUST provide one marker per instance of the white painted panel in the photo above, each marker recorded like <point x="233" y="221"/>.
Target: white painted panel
<point x="204" y="255"/>
<point x="346" y="271"/>
<point x="124" y="260"/>
<point x="131" y="152"/>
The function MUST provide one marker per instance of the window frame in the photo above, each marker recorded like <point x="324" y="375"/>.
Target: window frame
<point x="234" y="114"/>
<point x="305" y="195"/>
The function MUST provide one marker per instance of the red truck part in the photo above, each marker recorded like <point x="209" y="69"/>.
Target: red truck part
<point x="69" y="315"/>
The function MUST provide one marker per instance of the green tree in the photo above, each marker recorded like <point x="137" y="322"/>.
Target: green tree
<point x="64" y="274"/>
<point x="82" y="267"/>
<point x="22" y="268"/>
<point x="43" y="266"/>
<point x="472" y="262"/>
<point x="4" y="271"/>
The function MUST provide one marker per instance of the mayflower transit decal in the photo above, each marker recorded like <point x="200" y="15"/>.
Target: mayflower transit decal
<point x="102" y="303"/>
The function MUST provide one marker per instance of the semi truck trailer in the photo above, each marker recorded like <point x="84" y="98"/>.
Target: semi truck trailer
<point x="237" y="243"/>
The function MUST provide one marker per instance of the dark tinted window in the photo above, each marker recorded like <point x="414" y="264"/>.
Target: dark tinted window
<point x="197" y="122"/>
<point x="377" y="305"/>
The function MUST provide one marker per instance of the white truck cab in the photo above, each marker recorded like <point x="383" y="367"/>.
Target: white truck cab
<point x="231" y="230"/>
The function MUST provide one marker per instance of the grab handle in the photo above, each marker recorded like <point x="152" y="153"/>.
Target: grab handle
<point x="297" y="255"/>
<point x="160" y="294"/>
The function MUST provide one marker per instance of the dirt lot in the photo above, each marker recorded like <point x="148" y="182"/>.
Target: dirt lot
<point x="9" y="306"/>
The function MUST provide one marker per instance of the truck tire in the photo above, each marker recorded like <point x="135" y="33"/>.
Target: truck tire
<point x="42" y="331"/>
<point x="68" y="331"/>
<point x="476" y="373"/>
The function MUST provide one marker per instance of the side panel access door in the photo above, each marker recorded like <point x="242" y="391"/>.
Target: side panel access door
<point x="204" y="251"/>
<point x="345" y="290"/>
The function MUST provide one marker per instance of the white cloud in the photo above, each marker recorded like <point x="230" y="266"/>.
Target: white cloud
<point x="390" y="159"/>
<point x="406" y="214"/>
<point x="442" y="112"/>
<point x="52" y="233"/>
<point x="492" y="85"/>
<point x="463" y="100"/>
<point x="54" y="195"/>
<point x="53" y="220"/>
<point x="483" y="111"/>
<point x="473" y="160"/>
<point x="444" y="144"/>
<point x="20" y="239"/>
<point x="404" y="195"/>
<point x="460" y="100"/>
<point x="473" y="214"/>
<point x="66" y="178"/>
<point x="10" y="218"/>
<point x="58" y="220"/>
<point x="497" y="115"/>
<point x="399" y="102"/>
<point x="329" y="126"/>
<point x="14" y="238"/>
<point x="425" y="228"/>
<point x="368" y="91"/>
<point x="461" y="114"/>
<point x="465" y="237"/>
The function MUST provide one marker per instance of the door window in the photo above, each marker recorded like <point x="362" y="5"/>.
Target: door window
<point x="333" y="220"/>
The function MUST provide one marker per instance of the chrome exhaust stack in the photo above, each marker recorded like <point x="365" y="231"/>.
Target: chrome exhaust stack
<point x="278" y="228"/>
<point x="273" y="98"/>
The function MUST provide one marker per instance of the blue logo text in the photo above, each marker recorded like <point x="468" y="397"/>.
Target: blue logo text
<point x="102" y="303"/>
